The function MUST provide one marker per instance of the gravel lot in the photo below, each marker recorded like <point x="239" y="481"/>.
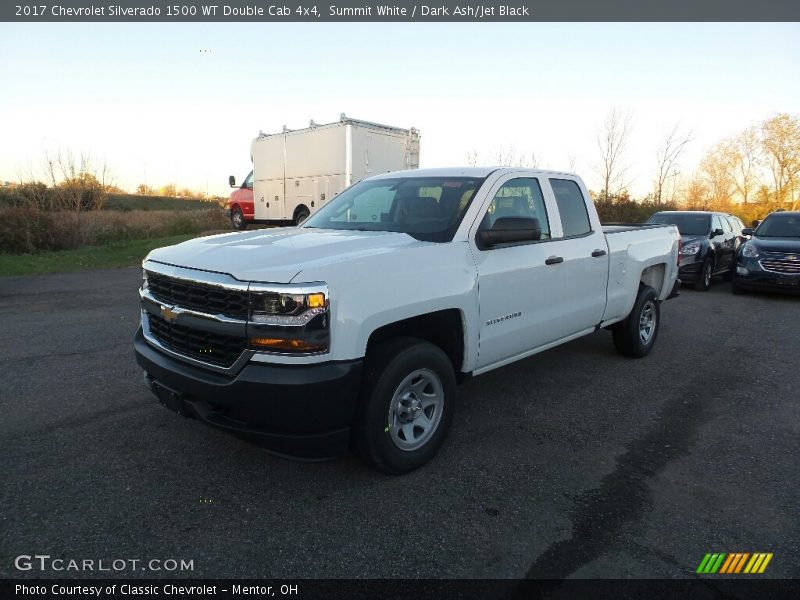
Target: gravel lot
<point x="576" y="462"/>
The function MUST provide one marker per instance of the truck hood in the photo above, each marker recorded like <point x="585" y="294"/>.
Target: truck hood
<point x="278" y="255"/>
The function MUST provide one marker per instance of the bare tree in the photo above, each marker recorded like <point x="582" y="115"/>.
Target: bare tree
<point x="472" y="157"/>
<point x="571" y="161"/>
<point x="612" y="142"/>
<point x="78" y="184"/>
<point x="504" y="156"/>
<point x="667" y="155"/>
<point x="780" y="138"/>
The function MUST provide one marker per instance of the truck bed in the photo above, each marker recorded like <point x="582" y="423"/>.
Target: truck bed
<point x="609" y="228"/>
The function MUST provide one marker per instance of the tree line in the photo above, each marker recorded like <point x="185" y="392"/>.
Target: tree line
<point x="750" y="174"/>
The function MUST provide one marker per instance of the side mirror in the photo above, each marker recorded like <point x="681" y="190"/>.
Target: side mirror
<point x="232" y="181"/>
<point x="747" y="231"/>
<point x="717" y="232"/>
<point x="508" y="230"/>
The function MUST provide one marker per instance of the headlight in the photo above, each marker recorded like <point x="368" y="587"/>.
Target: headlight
<point x="749" y="251"/>
<point x="690" y="249"/>
<point x="273" y="308"/>
<point x="144" y="279"/>
<point x="290" y="323"/>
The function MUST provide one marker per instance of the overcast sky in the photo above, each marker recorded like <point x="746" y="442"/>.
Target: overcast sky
<point x="181" y="102"/>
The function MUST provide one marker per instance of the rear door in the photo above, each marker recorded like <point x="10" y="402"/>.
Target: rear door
<point x="581" y="245"/>
<point x="724" y="244"/>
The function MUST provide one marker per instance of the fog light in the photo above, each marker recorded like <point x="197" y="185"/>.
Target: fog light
<point x="284" y="345"/>
<point x="742" y="271"/>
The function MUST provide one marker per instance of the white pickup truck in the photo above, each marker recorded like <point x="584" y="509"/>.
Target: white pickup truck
<point x="355" y="328"/>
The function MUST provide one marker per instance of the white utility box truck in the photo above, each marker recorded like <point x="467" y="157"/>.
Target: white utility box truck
<point x="297" y="172"/>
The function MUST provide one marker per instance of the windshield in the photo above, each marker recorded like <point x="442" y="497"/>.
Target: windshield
<point x="778" y="225"/>
<point x="687" y="223"/>
<point x="426" y="208"/>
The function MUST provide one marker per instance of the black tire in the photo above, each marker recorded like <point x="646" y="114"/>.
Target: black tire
<point x="377" y="432"/>
<point x="706" y="273"/>
<point x="628" y="336"/>
<point x="301" y="215"/>
<point x="237" y="219"/>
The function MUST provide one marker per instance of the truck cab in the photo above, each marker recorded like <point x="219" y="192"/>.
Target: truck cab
<point x="240" y="203"/>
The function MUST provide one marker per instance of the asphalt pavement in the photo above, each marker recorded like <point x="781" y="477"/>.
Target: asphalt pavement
<point x="573" y="463"/>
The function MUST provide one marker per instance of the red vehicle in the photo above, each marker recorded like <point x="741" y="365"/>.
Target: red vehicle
<point x="240" y="204"/>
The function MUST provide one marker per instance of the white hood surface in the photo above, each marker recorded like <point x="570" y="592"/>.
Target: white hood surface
<point x="278" y="255"/>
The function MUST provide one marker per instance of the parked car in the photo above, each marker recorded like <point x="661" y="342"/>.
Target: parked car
<point x="709" y="244"/>
<point x="770" y="260"/>
<point x="355" y="327"/>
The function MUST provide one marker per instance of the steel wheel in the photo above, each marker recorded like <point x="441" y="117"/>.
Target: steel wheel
<point x="416" y="409"/>
<point x="238" y="219"/>
<point x="647" y="322"/>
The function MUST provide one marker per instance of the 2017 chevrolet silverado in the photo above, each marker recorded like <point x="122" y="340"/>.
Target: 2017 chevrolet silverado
<point x="355" y="328"/>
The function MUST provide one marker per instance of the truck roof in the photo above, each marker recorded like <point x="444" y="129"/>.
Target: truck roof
<point x="343" y="120"/>
<point x="467" y="172"/>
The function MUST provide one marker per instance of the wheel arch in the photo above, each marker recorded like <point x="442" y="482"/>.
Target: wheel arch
<point x="443" y="328"/>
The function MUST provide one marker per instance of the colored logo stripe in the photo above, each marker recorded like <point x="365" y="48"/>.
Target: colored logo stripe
<point x="734" y="562"/>
<point x="758" y="563"/>
<point x="710" y="563"/>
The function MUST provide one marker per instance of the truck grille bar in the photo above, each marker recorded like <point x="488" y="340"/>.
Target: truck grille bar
<point x="205" y="298"/>
<point x="213" y="348"/>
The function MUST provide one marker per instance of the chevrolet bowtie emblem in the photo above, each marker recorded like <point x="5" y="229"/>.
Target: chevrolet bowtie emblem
<point x="791" y="257"/>
<point x="168" y="314"/>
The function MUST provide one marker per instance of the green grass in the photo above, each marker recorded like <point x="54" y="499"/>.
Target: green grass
<point x="118" y="254"/>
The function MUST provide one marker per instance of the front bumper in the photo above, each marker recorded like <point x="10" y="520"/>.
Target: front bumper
<point x="769" y="282"/>
<point x="691" y="271"/>
<point x="749" y="274"/>
<point x="299" y="411"/>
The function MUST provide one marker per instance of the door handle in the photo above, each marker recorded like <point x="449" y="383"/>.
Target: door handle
<point x="554" y="260"/>
<point x="598" y="252"/>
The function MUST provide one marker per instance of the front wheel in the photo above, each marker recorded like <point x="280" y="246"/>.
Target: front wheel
<point x="636" y="335"/>
<point x="704" y="281"/>
<point x="406" y="405"/>
<point x="237" y="219"/>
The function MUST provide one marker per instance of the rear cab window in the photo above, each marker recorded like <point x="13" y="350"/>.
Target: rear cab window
<point x="572" y="207"/>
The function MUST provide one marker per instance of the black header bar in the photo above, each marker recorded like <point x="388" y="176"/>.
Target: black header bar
<point x="269" y="11"/>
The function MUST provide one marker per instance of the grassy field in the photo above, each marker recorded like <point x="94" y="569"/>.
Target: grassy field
<point x="118" y="254"/>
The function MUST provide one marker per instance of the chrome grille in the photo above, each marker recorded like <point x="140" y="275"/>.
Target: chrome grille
<point x="214" y="348"/>
<point x="781" y="262"/>
<point x="205" y="298"/>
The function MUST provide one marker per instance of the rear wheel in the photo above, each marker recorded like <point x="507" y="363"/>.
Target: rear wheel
<point x="301" y="215"/>
<point x="636" y="335"/>
<point x="704" y="281"/>
<point x="237" y="218"/>
<point x="406" y="405"/>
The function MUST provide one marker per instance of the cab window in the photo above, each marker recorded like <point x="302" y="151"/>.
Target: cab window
<point x="571" y="206"/>
<point x="248" y="182"/>
<point x="520" y="197"/>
